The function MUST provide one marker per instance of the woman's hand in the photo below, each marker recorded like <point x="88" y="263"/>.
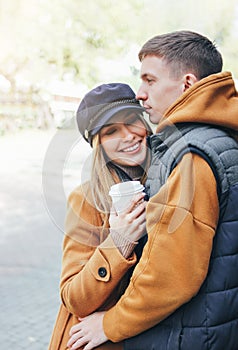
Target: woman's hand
<point x="130" y="224"/>
<point x="88" y="333"/>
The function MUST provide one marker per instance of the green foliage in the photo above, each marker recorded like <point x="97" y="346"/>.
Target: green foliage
<point x="48" y="39"/>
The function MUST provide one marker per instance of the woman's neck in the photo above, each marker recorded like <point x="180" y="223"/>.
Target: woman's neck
<point x="135" y="172"/>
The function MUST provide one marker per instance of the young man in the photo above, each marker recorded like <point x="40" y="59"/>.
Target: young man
<point x="183" y="293"/>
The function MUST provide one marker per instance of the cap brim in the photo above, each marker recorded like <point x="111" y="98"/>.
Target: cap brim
<point x="110" y="113"/>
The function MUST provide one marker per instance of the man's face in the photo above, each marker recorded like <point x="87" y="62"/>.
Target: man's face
<point x="159" y="88"/>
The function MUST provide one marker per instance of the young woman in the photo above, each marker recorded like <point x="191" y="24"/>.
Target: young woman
<point x="100" y="248"/>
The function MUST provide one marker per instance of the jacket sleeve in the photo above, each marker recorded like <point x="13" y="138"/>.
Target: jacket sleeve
<point x="181" y="222"/>
<point x="91" y="270"/>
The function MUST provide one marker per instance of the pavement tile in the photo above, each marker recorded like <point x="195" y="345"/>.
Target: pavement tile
<point x="30" y="243"/>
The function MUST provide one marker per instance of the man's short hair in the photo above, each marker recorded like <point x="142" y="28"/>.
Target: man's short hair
<point x="185" y="52"/>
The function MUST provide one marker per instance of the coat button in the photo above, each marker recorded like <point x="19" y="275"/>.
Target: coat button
<point x="102" y="272"/>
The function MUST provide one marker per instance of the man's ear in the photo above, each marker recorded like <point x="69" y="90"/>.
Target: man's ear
<point x="189" y="80"/>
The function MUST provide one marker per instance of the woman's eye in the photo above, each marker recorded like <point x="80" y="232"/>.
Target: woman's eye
<point x="110" y="131"/>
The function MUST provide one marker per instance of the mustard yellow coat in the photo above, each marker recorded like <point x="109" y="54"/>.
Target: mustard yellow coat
<point x="94" y="273"/>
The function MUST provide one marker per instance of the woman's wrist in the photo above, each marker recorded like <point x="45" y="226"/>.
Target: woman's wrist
<point x="124" y="244"/>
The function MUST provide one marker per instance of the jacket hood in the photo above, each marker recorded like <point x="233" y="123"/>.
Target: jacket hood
<point x="212" y="100"/>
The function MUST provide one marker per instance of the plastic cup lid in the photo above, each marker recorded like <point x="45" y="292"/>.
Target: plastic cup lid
<point x="126" y="188"/>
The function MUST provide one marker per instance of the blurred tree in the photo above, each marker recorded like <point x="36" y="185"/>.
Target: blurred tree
<point x="62" y="37"/>
<point x="42" y="40"/>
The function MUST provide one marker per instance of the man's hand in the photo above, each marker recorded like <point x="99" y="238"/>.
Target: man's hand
<point x="88" y="333"/>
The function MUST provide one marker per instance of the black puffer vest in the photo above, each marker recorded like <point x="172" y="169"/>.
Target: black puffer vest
<point x="209" y="321"/>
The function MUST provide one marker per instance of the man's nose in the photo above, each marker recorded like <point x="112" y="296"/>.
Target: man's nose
<point x="141" y="94"/>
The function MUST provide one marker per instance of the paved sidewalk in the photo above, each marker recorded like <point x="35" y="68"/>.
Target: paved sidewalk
<point x="30" y="243"/>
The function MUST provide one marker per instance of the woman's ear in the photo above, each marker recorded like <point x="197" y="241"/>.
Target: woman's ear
<point x="189" y="80"/>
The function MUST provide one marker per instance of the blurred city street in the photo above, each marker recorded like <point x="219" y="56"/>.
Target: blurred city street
<point x="31" y="232"/>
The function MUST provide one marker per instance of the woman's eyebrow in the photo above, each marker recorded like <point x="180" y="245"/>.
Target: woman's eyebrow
<point x="108" y="124"/>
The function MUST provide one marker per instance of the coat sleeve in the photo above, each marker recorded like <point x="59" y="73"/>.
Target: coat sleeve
<point x="181" y="222"/>
<point x="92" y="266"/>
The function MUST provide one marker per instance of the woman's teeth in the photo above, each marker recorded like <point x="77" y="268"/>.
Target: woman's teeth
<point x="133" y="148"/>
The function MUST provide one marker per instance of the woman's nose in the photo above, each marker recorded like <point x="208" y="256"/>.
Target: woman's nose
<point x="127" y="134"/>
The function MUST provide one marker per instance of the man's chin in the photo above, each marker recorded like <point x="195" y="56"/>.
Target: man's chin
<point x="155" y="119"/>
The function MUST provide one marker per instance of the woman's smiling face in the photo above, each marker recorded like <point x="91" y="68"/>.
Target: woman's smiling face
<point x="123" y="139"/>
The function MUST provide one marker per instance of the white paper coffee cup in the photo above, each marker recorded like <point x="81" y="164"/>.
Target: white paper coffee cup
<point x="123" y="193"/>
